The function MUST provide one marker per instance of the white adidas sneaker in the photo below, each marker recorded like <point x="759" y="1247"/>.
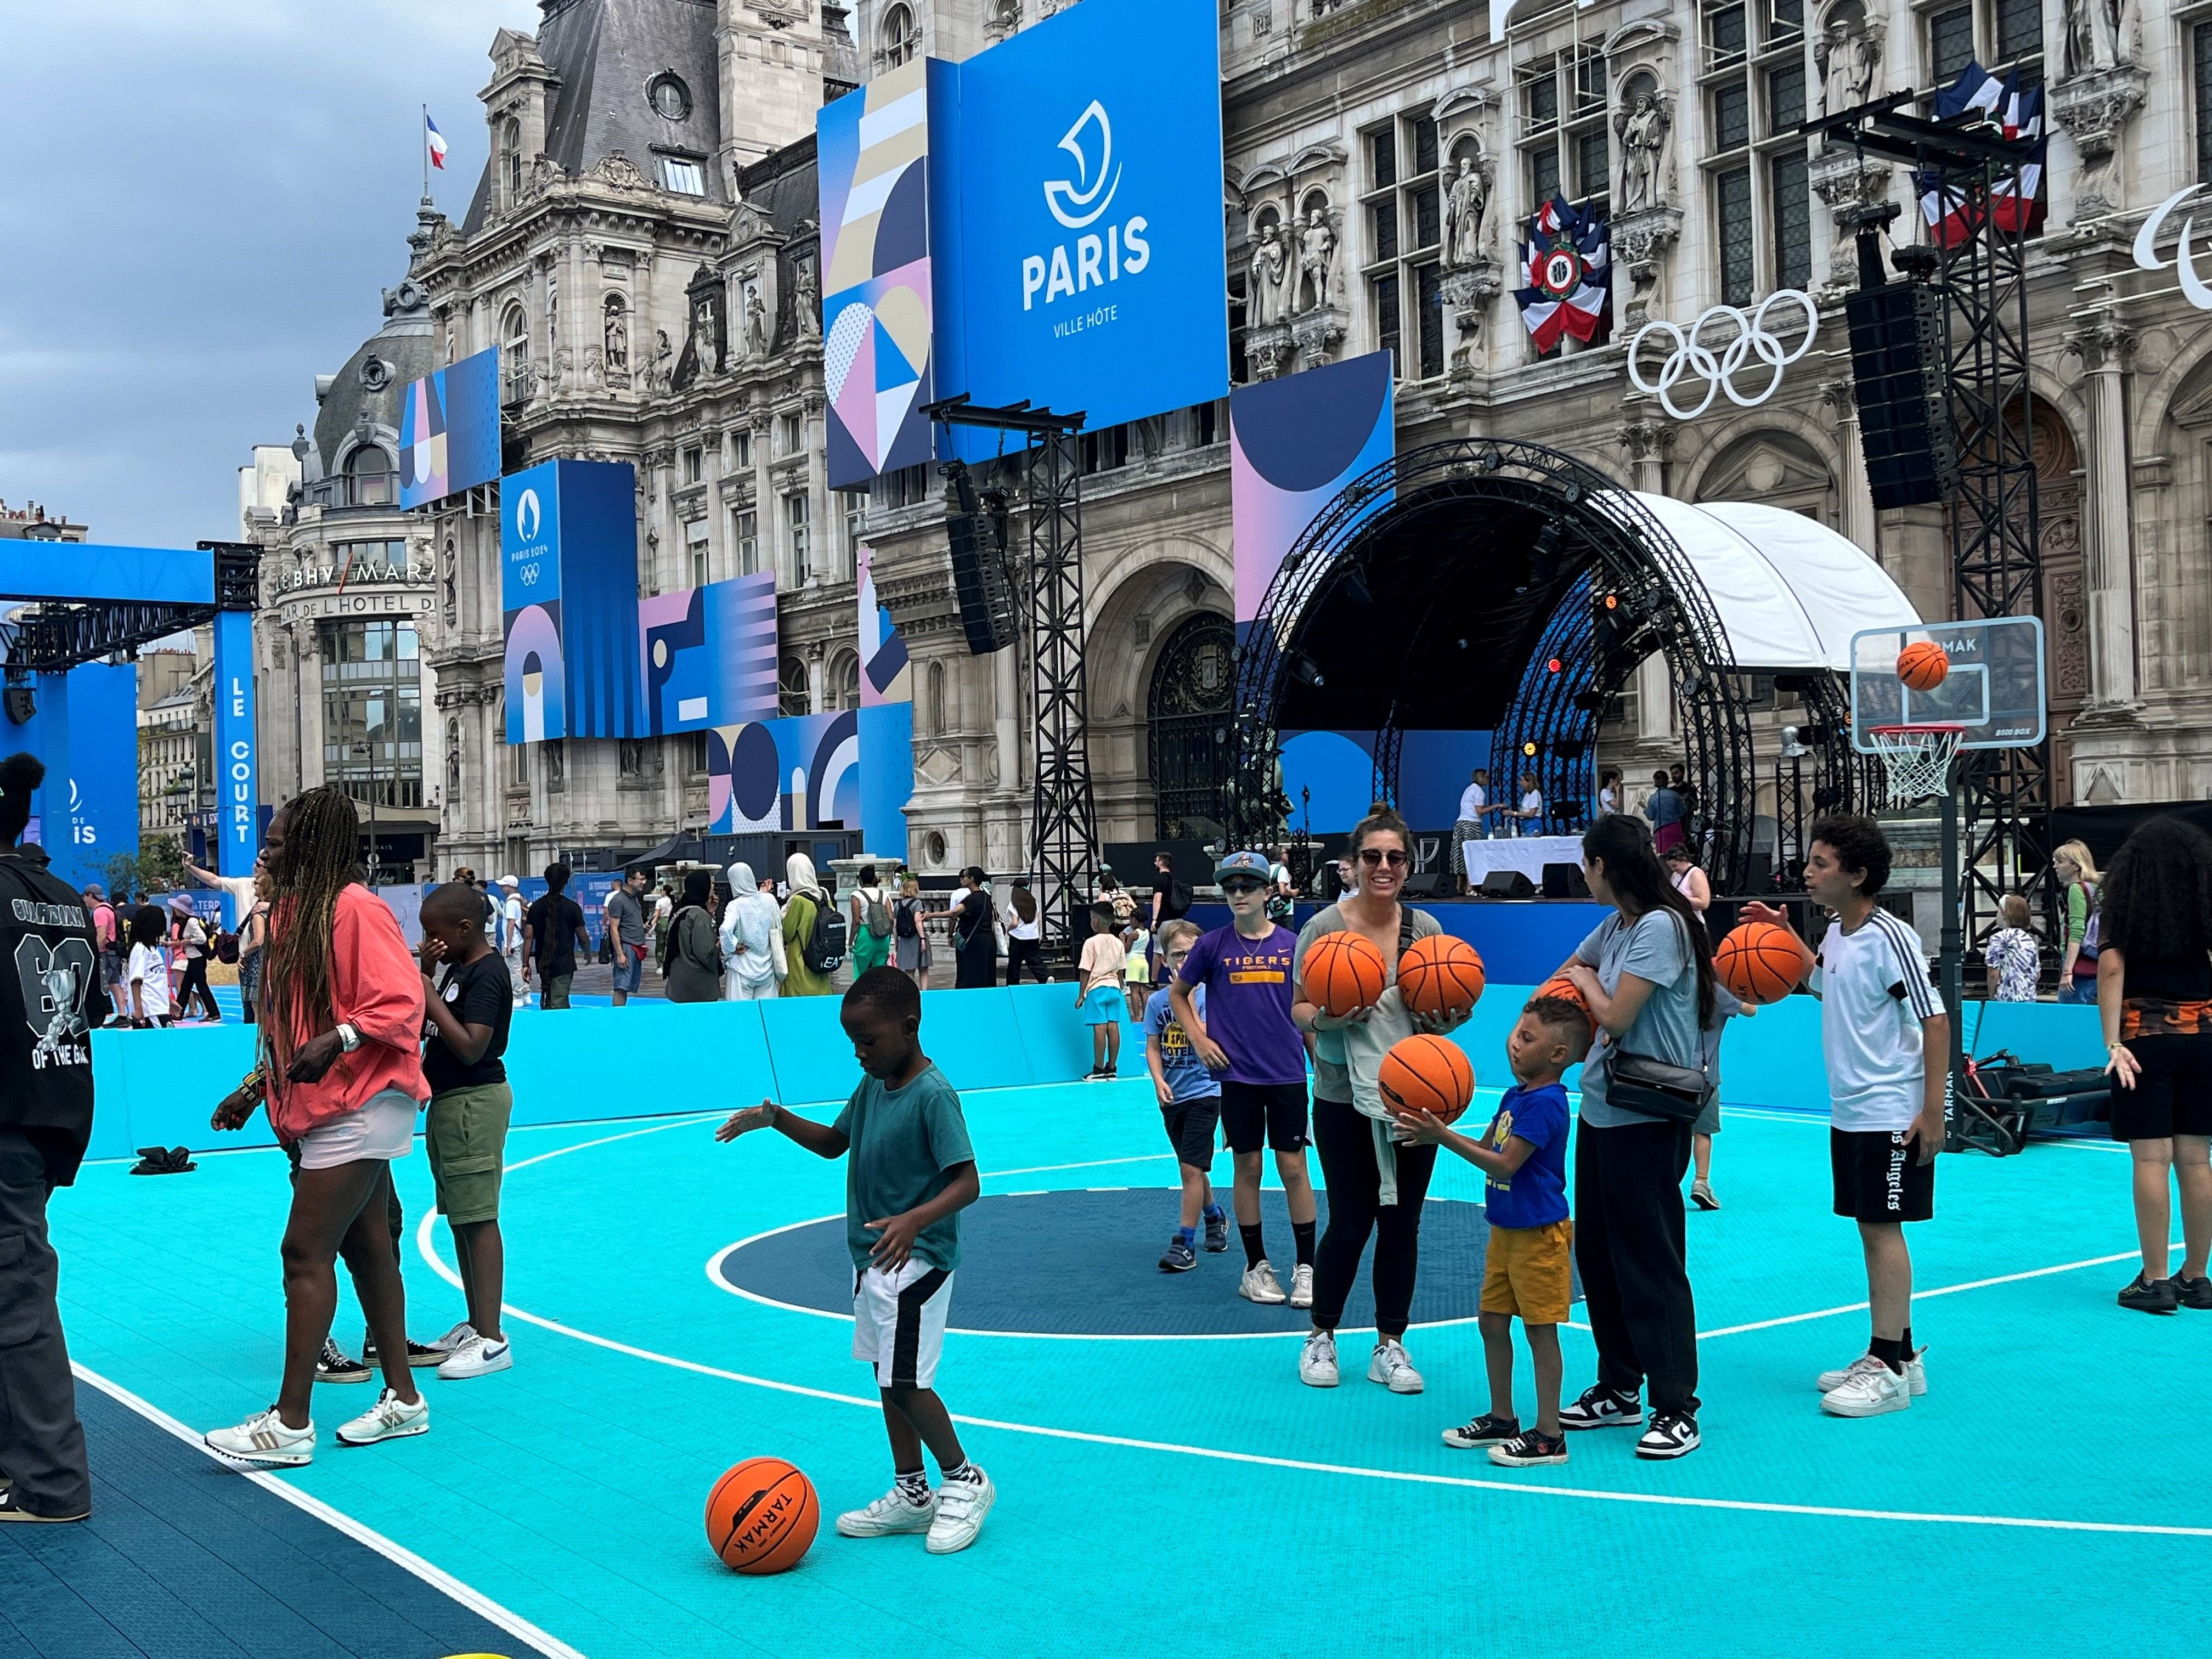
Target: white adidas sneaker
<point x="263" y="1441"/>
<point x="389" y="1419"/>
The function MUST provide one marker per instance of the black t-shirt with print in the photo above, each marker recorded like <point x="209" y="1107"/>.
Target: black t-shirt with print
<point x="554" y="920"/>
<point x="46" y="1004"/>
<point x="480" y="993"/>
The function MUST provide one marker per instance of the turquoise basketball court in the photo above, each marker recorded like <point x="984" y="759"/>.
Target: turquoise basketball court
<point x="1178" y="1491"/>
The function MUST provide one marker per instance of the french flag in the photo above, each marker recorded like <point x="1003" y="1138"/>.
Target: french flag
<point x="436" y="140"/>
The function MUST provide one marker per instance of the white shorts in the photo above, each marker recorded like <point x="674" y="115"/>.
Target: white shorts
<point x="898" y="1322"/>
<point x="383" y="1129"/>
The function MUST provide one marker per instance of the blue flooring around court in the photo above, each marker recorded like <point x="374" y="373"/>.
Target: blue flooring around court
<point x="2052" y="1494"/>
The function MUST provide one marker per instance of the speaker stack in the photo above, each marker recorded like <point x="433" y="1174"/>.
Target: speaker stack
<point x="977" y="531"/>
<point x="1896" y="371"/>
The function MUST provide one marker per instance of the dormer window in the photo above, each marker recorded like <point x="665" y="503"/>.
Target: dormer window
<point x="901" y="38"/>
<point x="683" y="178"/>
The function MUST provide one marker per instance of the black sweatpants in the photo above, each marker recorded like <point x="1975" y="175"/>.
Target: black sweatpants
<point x="1345" y="1141"/>
<point x="1629" y="1246"/>
<point x="1025" y="953"/>
<point x="41" y="1443"/>
<point x="195" y="983"/>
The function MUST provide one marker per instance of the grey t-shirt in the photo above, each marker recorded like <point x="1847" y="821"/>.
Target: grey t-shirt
<point x="626" y="913"/>
<point x="1346" y="1061"/>
<point x="1656" y="947"/>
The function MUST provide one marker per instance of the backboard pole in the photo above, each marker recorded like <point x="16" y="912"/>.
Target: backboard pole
<point x="1951" y="944"/>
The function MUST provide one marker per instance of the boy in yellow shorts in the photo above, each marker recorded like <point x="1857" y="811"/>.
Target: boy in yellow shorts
<point x="1527" y="1272"/>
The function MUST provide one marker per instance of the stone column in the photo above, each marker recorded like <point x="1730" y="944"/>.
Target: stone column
<point x="814" y="442"/>
<point x="1645" y="444"/>
<point x="2109" y="546"/>
<point x="1856" y="495"/>
<point x="1006" y="723"/>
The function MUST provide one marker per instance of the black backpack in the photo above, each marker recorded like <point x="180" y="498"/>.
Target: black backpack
<point x="226" y="947"/>
<point x="824" y="952"/>
<point x="902" y="922"/>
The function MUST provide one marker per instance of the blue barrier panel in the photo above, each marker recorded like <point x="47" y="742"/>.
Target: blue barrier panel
<point x="111" y="1096"/>
<point x="1055" y="1039"/>
<point x="974" y="1037"/>
<point x="2066" y="1037"/>
<point x="808" y="1050"/>
<point x="568" y="1065"/>
<point x="171" y="1082"/>
<point x="1773" y="1058"/>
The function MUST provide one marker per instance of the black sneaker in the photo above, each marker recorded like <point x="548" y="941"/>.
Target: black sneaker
<point x="2150" y="1296"/>
<point x="335" y="1367"/>
<point x="1599" y="1408"/>
<point x="1485" y="1431"/>
<point x="419" y="1357"/>
<point x="1530" y="1450"/>
<point x="1216" y="1236"/>
<point x="9" y="1510"/>
<point x="1180" y="1257"/>
<point x="2191" y="1292"/>
<point x="1672" y="1434"/>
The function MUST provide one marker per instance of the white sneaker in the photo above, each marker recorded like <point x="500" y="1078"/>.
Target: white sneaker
<point x="1916" y="1373"/>
<point x="477" y="1356"/>
<point x="894" y="1512"/>
<point x="1302" y="1285"/>
<point x="263" y="1441"/>
<point x="1868" y="1392"/>
<point x="1318" y="1360"/>
<point x="1261" y="1284"/>
<point x="1390" y="1367"/>
<point x="961" y="1507"/>
<point x="389" y="1419"/>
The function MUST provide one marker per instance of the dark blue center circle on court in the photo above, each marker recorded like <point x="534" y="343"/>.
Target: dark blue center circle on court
<point x="1086" y="1264"/>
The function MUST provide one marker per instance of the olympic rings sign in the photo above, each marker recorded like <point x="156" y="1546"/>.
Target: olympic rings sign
<point x="1691" y="355"/>
<point x="2193" y="288"/>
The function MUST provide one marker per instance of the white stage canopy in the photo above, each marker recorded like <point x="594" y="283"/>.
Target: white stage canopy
<point x="1790" y="591"/>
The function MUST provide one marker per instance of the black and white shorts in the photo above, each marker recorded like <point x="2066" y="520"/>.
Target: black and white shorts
<point x="1879" y="1176"/>
<point x="1273" y="1114"/>
<point x="898" y="1322"/>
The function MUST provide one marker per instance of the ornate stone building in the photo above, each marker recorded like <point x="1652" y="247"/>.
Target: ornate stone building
<point x="642" y="249"/>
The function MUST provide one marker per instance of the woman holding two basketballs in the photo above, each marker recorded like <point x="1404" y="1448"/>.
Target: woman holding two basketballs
<point x="1646" y="974"/>
<point x="1377" y="1179"/>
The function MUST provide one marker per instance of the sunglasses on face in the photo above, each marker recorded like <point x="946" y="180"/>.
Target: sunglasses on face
<point x="1233" y="888"/>
<point x="1393" y="856"/>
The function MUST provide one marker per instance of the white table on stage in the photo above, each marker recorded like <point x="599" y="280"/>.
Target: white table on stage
<point x="1527" y="854"/>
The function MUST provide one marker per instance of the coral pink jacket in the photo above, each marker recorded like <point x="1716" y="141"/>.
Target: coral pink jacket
<point x="376" y="987"/>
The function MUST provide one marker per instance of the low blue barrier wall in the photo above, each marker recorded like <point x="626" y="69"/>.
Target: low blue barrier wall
<point x="654" y="1058"/>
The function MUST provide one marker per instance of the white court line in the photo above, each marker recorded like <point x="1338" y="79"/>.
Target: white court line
<point x="1218" y="1455"/>
<point x="475" y="1600"/>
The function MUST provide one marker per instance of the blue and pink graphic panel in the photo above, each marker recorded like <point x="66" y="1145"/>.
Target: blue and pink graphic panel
<point x="449" y="430"/>
<point x="707" y="655"/>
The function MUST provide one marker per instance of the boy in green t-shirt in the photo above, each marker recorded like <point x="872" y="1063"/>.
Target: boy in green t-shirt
<point x="910" y="1174"/>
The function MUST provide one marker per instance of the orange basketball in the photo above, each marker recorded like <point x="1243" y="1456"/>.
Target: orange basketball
<point x="762" y="1515"/>
<point x="1343" y="974"/>
<point x="1759" y="962"/>
<point x="1440" y="976"/>
<point x="1923" y="665"/>
<point x="1427" y="1072"/>
<point x="1561" y="987"/>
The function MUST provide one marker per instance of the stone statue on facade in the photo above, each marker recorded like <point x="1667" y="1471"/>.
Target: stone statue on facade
<point x="1316" y="261"/>
<point x="1643" y="127"/>
<point x="1263" y="303"/>
<point x="617" y="341"/>
<point x="756" y="322"/>
<point x="1846" y="55"/>
<point x="1464" y="205"/>
<point x="807" y="304"/>
<point x="2099" y="34"/>
<point x="663" y="355"/>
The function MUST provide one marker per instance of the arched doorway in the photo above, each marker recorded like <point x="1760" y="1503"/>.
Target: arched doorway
<point x="1190" y="735"/>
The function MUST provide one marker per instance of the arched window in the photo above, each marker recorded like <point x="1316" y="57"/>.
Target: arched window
<point x="794" y="695"/>
<point x="510" y="145"/>
<point x="845" y="678"/>
<point x="514" y="353"/>
<point x="933" y="707"/>
<point x="368" y="477"/>
<point x="901" y="37"/>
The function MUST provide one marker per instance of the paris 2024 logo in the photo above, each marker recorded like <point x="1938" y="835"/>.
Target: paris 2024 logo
<point x="1095" y="256"/>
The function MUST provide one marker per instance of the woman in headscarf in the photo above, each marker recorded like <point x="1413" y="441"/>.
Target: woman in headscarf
<point x="691" y="960"/>
<point x="750" y="933"/>
<point x="806" y="899"/>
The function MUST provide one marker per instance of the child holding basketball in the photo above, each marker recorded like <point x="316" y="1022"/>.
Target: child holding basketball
<point x="1526" y="1272"/>
<point x="1243" y="1033"/>
<point x="1190" y="1103"/>
<point x="910" y="1173"/>
<point x="1098" y="995"/>
<point x="1887" y="1038"/>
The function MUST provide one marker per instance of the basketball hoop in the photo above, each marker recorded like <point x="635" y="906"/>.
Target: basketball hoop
<point x="1917" y="758"/>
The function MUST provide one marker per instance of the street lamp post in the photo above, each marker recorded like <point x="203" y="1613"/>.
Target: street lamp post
<point x="368" y="750"/>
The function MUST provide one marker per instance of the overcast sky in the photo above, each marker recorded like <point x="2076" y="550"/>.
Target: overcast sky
<point x="201" y="203"/>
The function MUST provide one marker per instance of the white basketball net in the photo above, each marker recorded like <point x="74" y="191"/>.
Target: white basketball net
<point x="1917" y="759"/>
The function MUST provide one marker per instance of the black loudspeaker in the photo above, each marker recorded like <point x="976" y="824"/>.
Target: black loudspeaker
<point x="1507" y="883"/>
<point x="1565" y="881"/>
<point x="1430" y="884"/>
<point x="1904" y="425"/>
<point x="977" y="537"/>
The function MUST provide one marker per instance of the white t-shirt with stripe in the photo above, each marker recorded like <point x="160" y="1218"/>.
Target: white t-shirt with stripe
<point x="1875" y="990"/>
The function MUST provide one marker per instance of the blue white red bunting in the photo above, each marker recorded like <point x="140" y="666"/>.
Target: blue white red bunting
<point x="1567" y="265"/>
<point x="2017" y="203"/>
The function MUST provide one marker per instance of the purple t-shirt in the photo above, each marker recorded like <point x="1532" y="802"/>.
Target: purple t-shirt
<point x="1247" y="1002"/>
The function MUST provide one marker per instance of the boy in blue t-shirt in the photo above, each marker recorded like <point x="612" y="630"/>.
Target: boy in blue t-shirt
<point x="1190" y="1105"/>
<point x="1527" y="1269"/>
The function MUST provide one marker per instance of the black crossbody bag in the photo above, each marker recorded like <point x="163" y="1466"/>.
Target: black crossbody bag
<point x="1658" y="1088"/>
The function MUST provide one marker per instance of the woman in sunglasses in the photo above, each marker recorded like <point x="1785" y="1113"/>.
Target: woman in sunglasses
<point x="1377" y="1179"/>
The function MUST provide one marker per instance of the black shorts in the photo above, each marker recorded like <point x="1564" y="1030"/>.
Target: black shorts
<point x="2173" y="1095"/>
<point x="1190" y="1125"/>
<point x="1879" y="1176"/>
<point x="1272" y="1113"/>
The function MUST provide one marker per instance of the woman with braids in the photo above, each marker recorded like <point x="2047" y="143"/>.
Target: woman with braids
<point x="341" y="1076"/>
<point x="2154" y="997"/>
<point x="1646" y="974"/>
